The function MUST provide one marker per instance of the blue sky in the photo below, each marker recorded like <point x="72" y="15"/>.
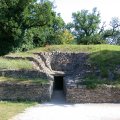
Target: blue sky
<point x="107" y="8"/>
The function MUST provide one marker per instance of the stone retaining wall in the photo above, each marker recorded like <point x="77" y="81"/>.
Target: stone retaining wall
<point x="101" y="94"/>
<point x="23" y="73"/>
<point x="75" y="66"/>
<point x="31" y="92"/>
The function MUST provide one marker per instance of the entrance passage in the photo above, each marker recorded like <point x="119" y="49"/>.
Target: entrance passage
<point x="58" y="83"/>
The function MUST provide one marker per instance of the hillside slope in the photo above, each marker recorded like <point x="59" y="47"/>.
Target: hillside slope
<point x="105" y="59"/>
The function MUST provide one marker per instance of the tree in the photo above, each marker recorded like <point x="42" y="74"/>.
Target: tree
<point x="67" y="37"/>
<point x="19" y="16"/>
<point x="64" y="37"/>
<point x="45" y="35"/>
<point x="86" y="27"/>
<point x="56" y="30"/>
<point x="112" y="35"/>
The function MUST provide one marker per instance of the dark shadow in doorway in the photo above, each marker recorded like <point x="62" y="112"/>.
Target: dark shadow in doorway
<point x="58" y="82"/>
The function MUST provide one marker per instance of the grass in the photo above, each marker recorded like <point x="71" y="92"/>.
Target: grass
<point x="102" y="55"/>
<point x="67" y="48"/>
<point x="106" y="61"/>
<point x="21" y="54"/>
<point x="24" y="80"/>
<point x="94" y="82"/>
<point x="10" y="109"/>
<point x="105" y="57"/>
<point x="15" y="64"/>
<point x="76" y="48"/>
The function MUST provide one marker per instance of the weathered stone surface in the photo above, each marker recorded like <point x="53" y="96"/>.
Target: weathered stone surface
<point x="23" y="73"/>
<point x="31" y="92"/>
<point x="101" y="94"/>
<point x="73" y="64"/>
<point x="74" y="67"/>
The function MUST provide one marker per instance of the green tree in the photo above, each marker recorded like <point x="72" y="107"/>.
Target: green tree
<point x="17" y="17"/>
<point x="56" y="30"/>
<point x="112" y="34"/>
<point x="85" y="27"/>
<point x="66" y="37"/>
<point x="44" y="35"/>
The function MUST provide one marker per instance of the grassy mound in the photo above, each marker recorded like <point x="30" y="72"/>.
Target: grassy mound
<point x="99" y="54"/>
<point x="76" y="48"/>
<point x="105" y="57"/>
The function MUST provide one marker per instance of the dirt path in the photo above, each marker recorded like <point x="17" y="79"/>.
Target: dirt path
<point x="59" y="110"/>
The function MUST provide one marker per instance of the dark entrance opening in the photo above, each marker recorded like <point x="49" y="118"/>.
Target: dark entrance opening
<point x="58" y="82"/>
<point x="58" y="92"/>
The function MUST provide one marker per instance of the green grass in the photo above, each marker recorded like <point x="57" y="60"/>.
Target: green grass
<point x="21" y="54"/>
<point x="93" y="82"/>
<point x="67" y="48"/>
<point x="10" y="109"/>
<point x="15" y="64"/>
<point x="105" y="57"/>
<point x="24" y="80"/>
<point x="101" y="55"/>
<point x="76" y="48"/>
<point x="106" y="60"/>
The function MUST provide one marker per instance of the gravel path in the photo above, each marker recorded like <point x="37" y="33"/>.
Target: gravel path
<point x="59" y="110"/>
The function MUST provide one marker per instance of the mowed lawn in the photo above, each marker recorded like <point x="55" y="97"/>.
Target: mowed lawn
<point x="10" y="109"/>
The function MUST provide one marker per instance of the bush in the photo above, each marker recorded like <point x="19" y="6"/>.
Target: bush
<point x="94" y="39"/>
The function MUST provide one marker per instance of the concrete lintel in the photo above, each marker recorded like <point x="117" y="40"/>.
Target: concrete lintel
<point x="58" y="73"/>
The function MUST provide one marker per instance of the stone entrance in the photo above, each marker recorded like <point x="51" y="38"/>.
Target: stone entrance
<point x="58" y="90"/>
<point x="58" y="82"/>
<point x="66" y="73"/>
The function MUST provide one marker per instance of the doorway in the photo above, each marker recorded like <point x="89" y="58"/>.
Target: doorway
<point x="58" y="82"/>
<point x="58" y="92"/>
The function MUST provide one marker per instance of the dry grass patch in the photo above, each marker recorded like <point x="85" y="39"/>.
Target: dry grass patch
<point x="10" y="109"/>
<point x="15" y="64"/>
<point x="23" y="80"/>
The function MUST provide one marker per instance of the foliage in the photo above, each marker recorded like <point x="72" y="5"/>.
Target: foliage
<point x="27" y="24"/>
<point x="56" y="31"/>
<point x="112" y="35"/>
<point x="86" y="27"/>
<point x="92" y="39"/>
<point x="35" y="37"/>
<point x="67" y="37"/>
<point x="63" y="37"/>
<point x="17" y="17"/>
<point x="46" y="35"/>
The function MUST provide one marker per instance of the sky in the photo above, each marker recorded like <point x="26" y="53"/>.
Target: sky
<point x="107" y="8"/>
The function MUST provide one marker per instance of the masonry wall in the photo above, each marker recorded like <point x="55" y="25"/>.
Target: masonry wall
<point x="73" y="65"/>
<point x="31" y="92"/>
<point x="101" y="94"/>
<point x="23" y="73"/>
